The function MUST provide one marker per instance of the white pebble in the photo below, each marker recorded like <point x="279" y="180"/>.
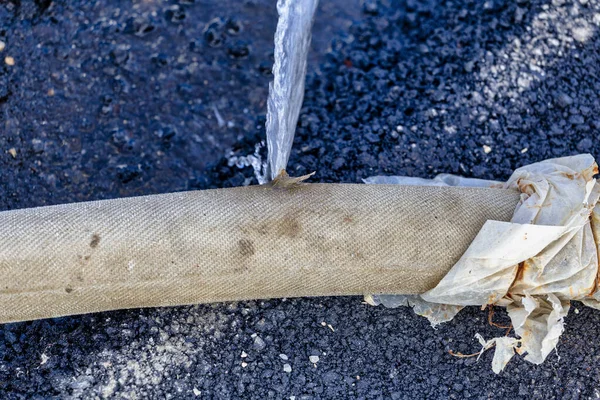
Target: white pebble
<point x="283" y="357"/>
<point x="287" y="368"/>
<point x="314" y="359"/>
<point x="583" y="33"/>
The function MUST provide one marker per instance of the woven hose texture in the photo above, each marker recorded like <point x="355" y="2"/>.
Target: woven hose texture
<point x="236" y="244"/>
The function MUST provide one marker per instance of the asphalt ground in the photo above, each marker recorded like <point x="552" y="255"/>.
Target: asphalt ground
<point x="105" y="99"/>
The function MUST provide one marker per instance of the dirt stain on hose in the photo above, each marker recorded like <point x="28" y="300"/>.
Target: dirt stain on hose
<point x="289" y="226"/>
<point x="246" y="248"/>
<point x="95" y="241"/>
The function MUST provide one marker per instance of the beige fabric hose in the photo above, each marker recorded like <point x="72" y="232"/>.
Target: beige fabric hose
<point x="235" y="244"/>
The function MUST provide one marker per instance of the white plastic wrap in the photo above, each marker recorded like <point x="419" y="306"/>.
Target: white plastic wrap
<point x="286" y="92"/>
<point x="546" y="256"/>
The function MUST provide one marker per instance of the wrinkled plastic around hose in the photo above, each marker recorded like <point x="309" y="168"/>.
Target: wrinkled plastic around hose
<point x="235" y="244"/>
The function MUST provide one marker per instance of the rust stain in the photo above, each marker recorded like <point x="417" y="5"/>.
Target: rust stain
<point x="95" y="241"/>
<point x="246" y="248"/>
<point x="68" y="290"/>
<point x="289" y="226"/>
<point x="519" y="276"/>
<point x="594" y="222"/>
<point x="348" y="219"/>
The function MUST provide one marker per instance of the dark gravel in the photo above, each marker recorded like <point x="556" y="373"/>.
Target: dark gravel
<point x="108" y="99"/>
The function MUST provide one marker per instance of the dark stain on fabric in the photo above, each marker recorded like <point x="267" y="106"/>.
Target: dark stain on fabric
<point x="95" y="241"/>
<point x="246" y="247"/>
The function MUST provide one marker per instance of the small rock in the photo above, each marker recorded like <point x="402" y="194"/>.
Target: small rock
<point x="576" y="119"/>
<point x="519" y="14"/>
<point x="259" y="344"/>
<point x="283" y="357"/>
<point x="330" y="378"/>
<point x="439" y="96"/>
<point x="13" y="152"/>
<point x="338" y="163"/>
<point x="585" y="145"/>
<point x="370" y="7"/>
<point x="314" y="359"/>
<point x="2" y="45"/>
<point x="287" y="368"/>
<point x="10" y="61"/>
<point x="563" y="100"/>
<point x="373" y="138"/>
<point x="469" y="66"/>
<point x="37" y="145"/>
<point x="582" y="33"/>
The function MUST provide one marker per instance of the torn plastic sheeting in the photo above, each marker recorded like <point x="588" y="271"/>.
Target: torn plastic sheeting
<point x="286" y="92"/>
<point x="504" y="350"/>
<point x="534" y="265"/>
